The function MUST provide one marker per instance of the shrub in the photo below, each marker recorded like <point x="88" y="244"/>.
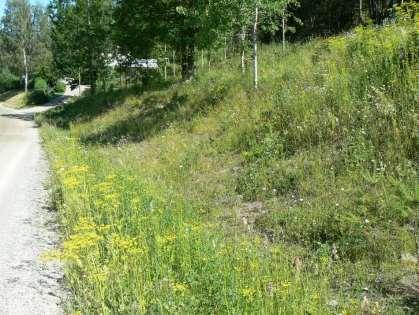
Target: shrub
<point x="8" y="81"/>
<point x="60" y="87"/>
<point x="41" y="85"/>
<point x="40" y="95"/>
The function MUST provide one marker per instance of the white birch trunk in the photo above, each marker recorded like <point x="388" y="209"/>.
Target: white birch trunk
<point x="255" y="49"/>
<point x="165" y="62"/>
<point x="283" y="32"/>
<point x="243" y="61"/>
<point x="25" y="63"/>
<point x="80" y="82"/>
<point x="174" y="63"/>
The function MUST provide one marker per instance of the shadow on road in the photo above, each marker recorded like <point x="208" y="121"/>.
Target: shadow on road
<point x="28" y="114"/>
<point x="22" y="116"/>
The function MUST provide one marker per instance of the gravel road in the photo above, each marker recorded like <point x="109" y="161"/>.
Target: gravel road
<point x="27" y="226"/>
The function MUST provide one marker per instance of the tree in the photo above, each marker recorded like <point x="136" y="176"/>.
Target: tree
<point x="42" y="59"/>
<point x="25" y="43"/>
<point x="286" y="15"/>
<point x="184" y="26"/>
<point x="256" y="13"/>
<point x="81" y="36"/>
<point x="17" y="27"/>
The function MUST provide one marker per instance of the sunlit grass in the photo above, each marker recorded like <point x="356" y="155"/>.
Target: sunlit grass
<point x="206" y="197"/>
<point x="13" y="99"/>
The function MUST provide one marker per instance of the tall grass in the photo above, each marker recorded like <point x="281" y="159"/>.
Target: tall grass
<point x="206" y="197"/>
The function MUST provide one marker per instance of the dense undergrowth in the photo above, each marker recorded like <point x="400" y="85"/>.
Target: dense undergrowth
<point x="206" y="197"/>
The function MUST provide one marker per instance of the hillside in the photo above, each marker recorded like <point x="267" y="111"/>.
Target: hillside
<point x="206" y="197"/>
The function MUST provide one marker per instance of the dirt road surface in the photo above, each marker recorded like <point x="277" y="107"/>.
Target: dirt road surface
<point x="27" y="226"/>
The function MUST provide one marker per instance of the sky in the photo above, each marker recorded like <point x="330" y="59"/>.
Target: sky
<point x="2" y="3"/>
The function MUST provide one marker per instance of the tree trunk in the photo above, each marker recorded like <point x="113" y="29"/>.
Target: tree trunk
<point x="209" y="60"/>
<point x="361" y="17"/>
<point x="243" y="52"/>
<point x="225" y="48"/>
<point x="165" y="62"/>
<point x="174" y="63"/>
<point x="92" y="67"/>
<point x="93" y="79"/>
<point x="188" y="62"/>
<point x="283" y="32"/>
<point x="255" y="49"/>
<point x="80" y="82"/>
<point x="377" y="10"/>
<point x="25" y="63"/>
<point x="243" y="61"/>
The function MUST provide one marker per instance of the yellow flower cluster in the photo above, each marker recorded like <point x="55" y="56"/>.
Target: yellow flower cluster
<point x="126" y="244"/>
<point x="180" y="288"/>
<point x="71" y="182"/>
<point x="78" y="242"/>
<point x="248" y="293"/>
<point x="104" y="187"/>
<point x="166" y="239"/>
<point x="84" y="239"/>
<point x="109" y="196"/>
<point x="72" y="177"/>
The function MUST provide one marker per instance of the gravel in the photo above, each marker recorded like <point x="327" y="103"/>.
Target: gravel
<point x="28" y="227"/>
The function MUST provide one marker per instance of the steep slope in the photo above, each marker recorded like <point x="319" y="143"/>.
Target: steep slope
<point x="206" y="197"/>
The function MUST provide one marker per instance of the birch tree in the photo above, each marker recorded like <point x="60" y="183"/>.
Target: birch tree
<point x="17" y="26"/>
<point x="257" y="13"/>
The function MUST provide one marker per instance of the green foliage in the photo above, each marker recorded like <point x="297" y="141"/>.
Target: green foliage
<point x="60" y="87"/>
<point x="25" y="39"/>
<point x="8" y="81"/>
<point x="81" y="38"/>
<point x="41" y="93"/>
<point x="41" y="85"/>
<point x="183" y="27"/>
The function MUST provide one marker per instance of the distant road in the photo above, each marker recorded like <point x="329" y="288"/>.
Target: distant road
<point x="27" y="227"/>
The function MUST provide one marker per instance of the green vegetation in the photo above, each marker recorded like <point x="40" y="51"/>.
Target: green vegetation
<point x="13" y="99"/>
<point x="19" y="99"/>
<point x="8" y="81"/>
<point x="25" y="42"/>
<point x="39" y="95"/>
<point x="60" y="87"/>
<point x="205" y="198"/>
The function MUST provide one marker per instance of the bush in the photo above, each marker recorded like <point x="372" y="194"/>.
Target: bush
<point x="37" y="98"/>
<point x="41" y="85"/>
<point x="8" y="81"/>
<point x="60" y="87"/>
<point x="40" y="95"/>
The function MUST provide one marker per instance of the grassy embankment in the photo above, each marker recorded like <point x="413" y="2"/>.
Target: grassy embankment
<point x="18" y="99"/>
<point x="14" y="99"/>
<point x="206" y="197"/>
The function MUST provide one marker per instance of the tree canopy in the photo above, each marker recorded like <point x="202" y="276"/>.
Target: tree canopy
<point x="80" y="38"/>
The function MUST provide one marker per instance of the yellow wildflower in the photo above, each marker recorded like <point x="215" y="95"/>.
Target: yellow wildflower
<point x="248" y="293"/>
<point x="71" y="182"/>
<point x="166" y="239"/>
<point x="180" y="288"/>
<point x="126" y="244"/>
